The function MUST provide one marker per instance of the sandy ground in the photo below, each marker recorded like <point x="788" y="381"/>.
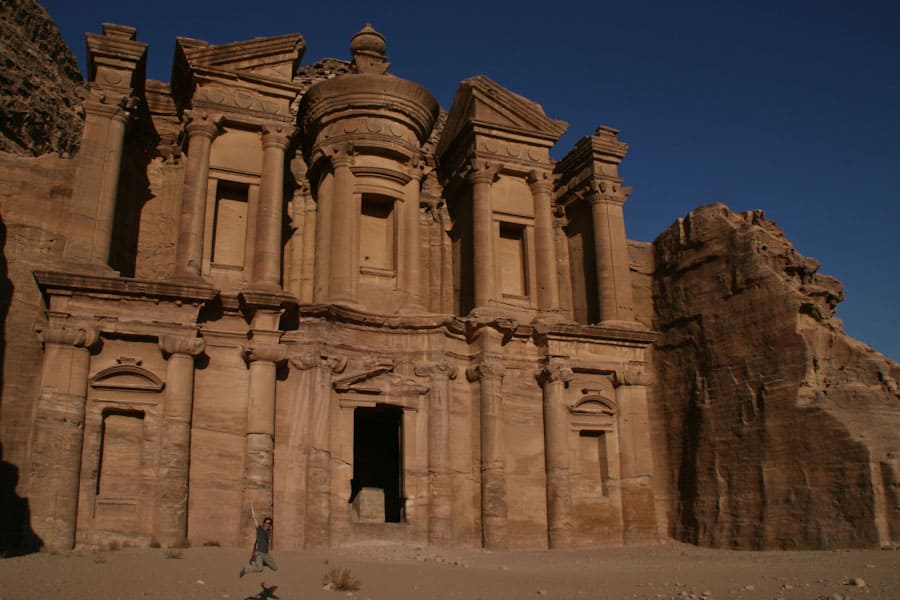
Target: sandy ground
<point x="664" y="571"/>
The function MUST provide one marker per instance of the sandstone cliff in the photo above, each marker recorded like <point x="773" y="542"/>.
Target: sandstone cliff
<point x="41" y="88"/>
<point x="772" y="428"/>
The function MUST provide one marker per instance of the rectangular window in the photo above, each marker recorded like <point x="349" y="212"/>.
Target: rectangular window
<point x="594" y="467"/>
<point x="230" y="230"/>
<point x="512" y="260"/>
<point x="376" y="236"/>
<point x="120" y="454"/>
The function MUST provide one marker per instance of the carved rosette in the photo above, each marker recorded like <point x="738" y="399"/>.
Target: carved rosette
<point x="436" y="369"/>
<point x="181" y="344"/>
<point x="62" y="335"/>
<point x="311" y="360"/>
<point x="555" y="369"/>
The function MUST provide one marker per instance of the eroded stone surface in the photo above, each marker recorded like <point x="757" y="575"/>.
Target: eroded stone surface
<point x="772" y="428"/>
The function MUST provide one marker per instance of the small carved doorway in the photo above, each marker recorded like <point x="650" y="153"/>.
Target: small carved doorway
<point x="377" y="456"/>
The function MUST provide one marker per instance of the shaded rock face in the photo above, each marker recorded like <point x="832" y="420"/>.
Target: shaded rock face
<point x="41" y="88"/>
<point x="772" y="428"/>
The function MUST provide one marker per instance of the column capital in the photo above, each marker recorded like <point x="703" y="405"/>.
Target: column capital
<point x="184" y="345"/>
<point x="203" y="124"/>
<point x="340" y="155"/>
<point x="110" y="105"/>
<point x="263" y="351"/>
<point x="606" y="192"/>
<point x="66" y="335"/>
<point x="479" y="170"/>
<point x="555" y="369"/>
<point x="632" y="375"/>
<point x="435" y="369"/>
<point x="277" y="135"/>
<point x="310" y="360"/>
<point x="485" y="371"/>
<point x="540" y="181"/>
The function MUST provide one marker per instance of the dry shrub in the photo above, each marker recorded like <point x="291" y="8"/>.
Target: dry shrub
<point x="170" y="553"/>
<point x="154" y="543"/>
<point x="99" y="559"/>
<point x="212" y="543"/>
<point x="113" y="546"/>
<point x="341" y="580"/>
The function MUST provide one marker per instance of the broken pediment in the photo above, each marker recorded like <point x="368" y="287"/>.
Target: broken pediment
<point x="481" y="103"/>
<point x="381" y="380"/>
<point x="277" y="57"/>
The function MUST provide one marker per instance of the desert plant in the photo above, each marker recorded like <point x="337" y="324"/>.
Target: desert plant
<point x="341" y="580"/>
<point x="172" y="553"/>
<point x="99" y="559"/>
<point x="212" y="543"/>
<point x="113" y="546"/>
<point x="154" y="543"/>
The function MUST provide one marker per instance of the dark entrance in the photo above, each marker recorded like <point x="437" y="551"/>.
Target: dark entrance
<point x="377" y="458"/>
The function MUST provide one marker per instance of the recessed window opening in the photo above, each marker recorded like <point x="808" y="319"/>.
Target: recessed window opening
<point x="230" y="231"/>
<point x="512" y="258"/>
<point x="377" y="456"/>
<point x="594" y="462"/>
<point x="121" y="438"/>
<point x="376" y="243"/>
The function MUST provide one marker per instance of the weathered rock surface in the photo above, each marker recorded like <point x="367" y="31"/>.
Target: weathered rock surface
<point x="772" y="428"/>
<point x="41" y="88"/>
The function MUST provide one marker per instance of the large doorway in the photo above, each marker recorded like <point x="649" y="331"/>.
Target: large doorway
<point x="377" y="456"/>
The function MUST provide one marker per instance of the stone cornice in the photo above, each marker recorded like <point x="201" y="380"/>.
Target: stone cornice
<point x="349" y="315"/>
<point x="614" y="331"/>
<point x="52" y="281"/>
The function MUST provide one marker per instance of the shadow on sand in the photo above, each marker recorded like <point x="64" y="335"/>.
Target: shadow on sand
<point x="265" y="594"/>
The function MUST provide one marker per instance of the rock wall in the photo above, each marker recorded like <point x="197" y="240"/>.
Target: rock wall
<point x="771" y="427"/>
<point x="41" y="88"/>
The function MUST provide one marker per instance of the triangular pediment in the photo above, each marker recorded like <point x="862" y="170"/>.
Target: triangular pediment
<point x="277" y="57"/>
<point x="482" y="101"/>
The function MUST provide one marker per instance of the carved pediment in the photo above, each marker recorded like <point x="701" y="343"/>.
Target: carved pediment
<point x="381" y="380"/>
<point x="479" y="100"/>
<point x="127" y="375"/>
<point x="594" y="404"/>
<point x="276" y="56"/>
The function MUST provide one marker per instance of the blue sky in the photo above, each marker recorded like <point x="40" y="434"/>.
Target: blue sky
<point x="789" y="107"/>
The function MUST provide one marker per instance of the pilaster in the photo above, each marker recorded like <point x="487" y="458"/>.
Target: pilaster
<point x="554" y="378"/>
<point x="175" y="459"/>
<point x="440" y="493"/>
<point x="58" y="432"/>
<point x="481" y="175"/>
<point x="541" y="184"/>
<point x="201" y="129"/>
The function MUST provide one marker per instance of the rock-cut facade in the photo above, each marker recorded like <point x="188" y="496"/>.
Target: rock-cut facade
<point x="312" y="292"/>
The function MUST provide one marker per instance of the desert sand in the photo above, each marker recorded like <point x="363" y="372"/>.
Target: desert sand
<point x="654" y="572"/>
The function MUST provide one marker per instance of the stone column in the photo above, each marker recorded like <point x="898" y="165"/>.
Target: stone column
<point x="482" y="176"/>
<point x="554" y="378"/>
<point x="259" y="460"/>
<point x="344" y="268"/>
<point x="411" y="258"/>
<point x="93" y="204"/>
<point x="440" y="493"/>
<point x="175" y="446"/>
<point x="636" y="460"/>
<point x="318" y="369"/>
<point x="489" y="374"/>
<point x="267" y="247"/>
<point x="611" y="253"/>
<point x="545" y="243"/>
<point x="201" y="130"/>
<point x="58" y="433"/>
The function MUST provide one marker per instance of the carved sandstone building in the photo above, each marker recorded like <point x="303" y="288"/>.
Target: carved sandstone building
<point x="311" y="291"/>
